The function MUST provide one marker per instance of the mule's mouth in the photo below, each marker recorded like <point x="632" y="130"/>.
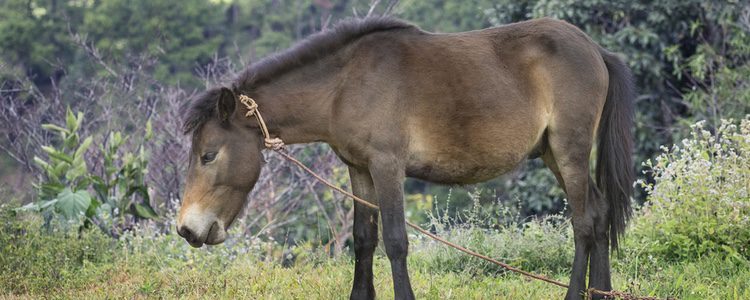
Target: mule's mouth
<point x="216" y="234"/>
<point x="195" y="244"/>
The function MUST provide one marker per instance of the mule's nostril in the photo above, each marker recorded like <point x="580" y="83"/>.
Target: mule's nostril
<point x="186" y="233"/>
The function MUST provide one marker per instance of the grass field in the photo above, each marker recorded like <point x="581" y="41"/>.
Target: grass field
<point x="36" y="263"/>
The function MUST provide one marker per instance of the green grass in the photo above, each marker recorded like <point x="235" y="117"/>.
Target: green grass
<point x="35" y="263"/>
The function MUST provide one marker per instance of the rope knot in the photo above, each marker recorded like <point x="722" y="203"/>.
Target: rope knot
<point x="274" y="143"/>
<point x="252" y="110"/>
<point x="250" y="104"/>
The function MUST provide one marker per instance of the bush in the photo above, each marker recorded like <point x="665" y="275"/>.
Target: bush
<point x="543" y="245"/>
<point x="699" y="203"/>
<point x="66" y="185"/>
<point x="37" y="261"/>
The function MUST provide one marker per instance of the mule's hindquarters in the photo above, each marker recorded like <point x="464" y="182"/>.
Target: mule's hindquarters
<point x="582" y="112"/>
<point x="589" y="92"/>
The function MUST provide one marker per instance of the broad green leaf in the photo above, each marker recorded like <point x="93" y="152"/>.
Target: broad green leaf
<point x="52" y="174"/>
<point x="91" y="211"/>
<point x="139" y="190"/>
<point x="47" y="204"/>
<point x="41" y="163"/>
<point x="79" y="120"/>
<point x="70" y="120"/>
<point x="83" y="183"/>
<point x="28" y="207"/>
<point x="78" y="155"/>
<point x="57" y="154"/>
<point x="36" y="206"/>
<point x="145" y="211"/>
<point x="62" y="156"/>
<point x="55" y="128"/>
<point x="100" y="186"/>
<point x="71" y="141"/>
<point x="149" y="130"/>
<point x="51" y="189"/>
<point x="116" y="140"/>
<point x="72" y="204"/>
<point x="76" y="172"/>
<point x="109" y="169"/>
<point x="48" y="149"/>
<point x="59" y="170"/>
<point x="127" y="159"/>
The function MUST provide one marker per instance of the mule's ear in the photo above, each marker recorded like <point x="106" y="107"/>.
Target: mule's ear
<point x="226" y="104"/>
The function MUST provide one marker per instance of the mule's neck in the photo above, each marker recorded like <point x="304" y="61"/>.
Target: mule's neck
<point x="296" y="106"/>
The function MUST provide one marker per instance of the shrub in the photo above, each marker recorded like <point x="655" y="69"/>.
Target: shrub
<point x="543" y="245"/>
<point x="66" y="187"/>
<point x="699" y="202"/>
<point x="35" y="261"/>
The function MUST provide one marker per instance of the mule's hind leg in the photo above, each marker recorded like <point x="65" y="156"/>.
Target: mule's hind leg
<point x="599" y="269"/>
<point x="572" y="173"/>
<point x="568" y="159"/>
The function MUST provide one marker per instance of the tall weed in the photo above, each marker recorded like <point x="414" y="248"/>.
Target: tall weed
<point x="542" y="245"/>
<point x="699" y="202"/>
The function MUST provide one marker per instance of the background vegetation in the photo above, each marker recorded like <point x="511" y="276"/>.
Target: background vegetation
<point x="94" y="158"/>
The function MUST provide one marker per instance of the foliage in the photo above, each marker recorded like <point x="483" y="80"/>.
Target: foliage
<point x="64" y="189"/>
<point x="32" y="261"/>
<point x="718" y="69"/>
<point x="147" y="263"/>
<point x="124" y="62"/>
<point x="31" y="35"/>
<point x="540" y="245"/>
<point x="446" y="16"/>
<point x="699" y="203"/>
<point x="156" y="29"/>
<point x="537" y="190"/>
<point x="67" y="182"/>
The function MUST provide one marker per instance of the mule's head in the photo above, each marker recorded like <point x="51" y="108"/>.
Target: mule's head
<point x="225" y="162"/>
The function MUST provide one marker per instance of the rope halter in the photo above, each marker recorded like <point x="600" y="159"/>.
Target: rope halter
<point x="252" y="110"/>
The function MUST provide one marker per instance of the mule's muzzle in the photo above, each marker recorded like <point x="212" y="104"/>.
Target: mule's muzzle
<point x="215" y="234"/>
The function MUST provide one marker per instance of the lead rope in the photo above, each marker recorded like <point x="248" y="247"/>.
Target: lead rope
<point x="277" y="145"/>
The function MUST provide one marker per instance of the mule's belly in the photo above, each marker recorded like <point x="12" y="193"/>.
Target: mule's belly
<point x="450" y="161"/>
<point x="448" y="170"/>
<point x="479" y="150"/>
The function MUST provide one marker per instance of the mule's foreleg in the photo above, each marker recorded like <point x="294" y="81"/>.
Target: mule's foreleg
<point x="388" y="177"/>
<point x="365" y="235"/>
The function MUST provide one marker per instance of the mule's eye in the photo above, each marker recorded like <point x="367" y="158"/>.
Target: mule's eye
<point x="208" y="157"/>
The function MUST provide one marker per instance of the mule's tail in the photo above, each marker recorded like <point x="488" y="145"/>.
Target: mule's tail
<point x="614" y="165"/>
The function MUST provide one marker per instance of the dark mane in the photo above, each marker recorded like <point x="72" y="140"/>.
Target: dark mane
<point x="201" y="109"/>
<point x="316" y="46"/>
<point x="306" y="51"/>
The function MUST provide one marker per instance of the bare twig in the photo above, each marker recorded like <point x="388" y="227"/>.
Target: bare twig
<point x="81" y="41"/>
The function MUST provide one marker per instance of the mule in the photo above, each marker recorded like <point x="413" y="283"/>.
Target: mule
<point x="393" y="101"/>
